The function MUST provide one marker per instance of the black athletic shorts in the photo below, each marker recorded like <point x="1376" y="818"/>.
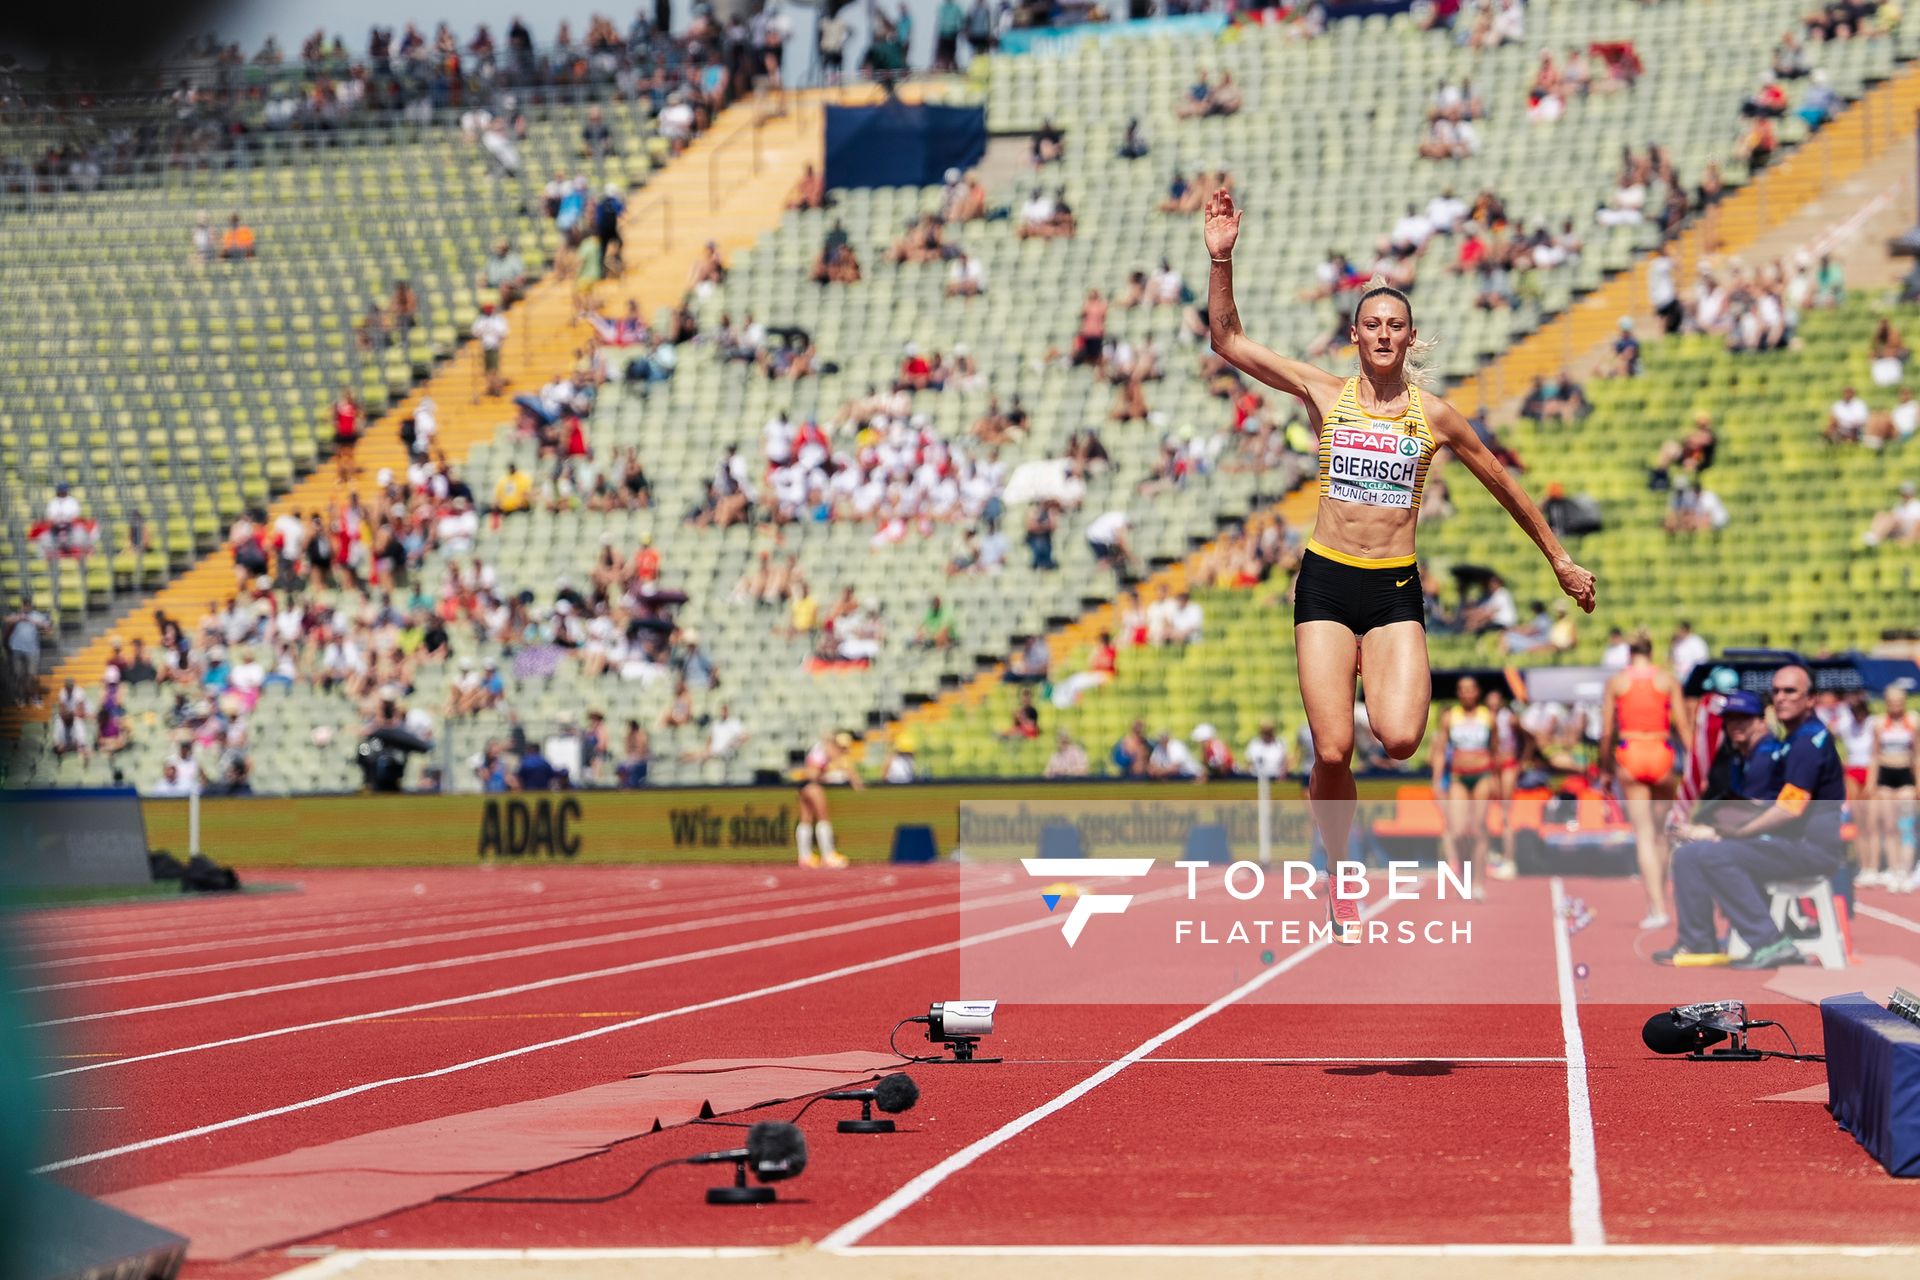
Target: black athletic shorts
<point x="1893" y="779"/>
<point x="1359" y="599"/>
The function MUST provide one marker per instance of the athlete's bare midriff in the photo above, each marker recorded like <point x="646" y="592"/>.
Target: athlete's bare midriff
<point x="1359" y="530"/>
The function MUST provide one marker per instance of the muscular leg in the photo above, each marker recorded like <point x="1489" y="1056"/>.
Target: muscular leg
<point x="1477" y="830"/>
<point x="1399" y="685"/>
<point x="1327" y="654"/>
<point x="1650" y="843"/>
<point x="812" y="806"/>
<point x="1899" y="850"/>
<point x="1459" y="810"/>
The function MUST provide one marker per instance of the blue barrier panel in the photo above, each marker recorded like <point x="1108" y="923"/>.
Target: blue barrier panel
<point x="1061" y="840"/>
<point x="1207" y="842"/>
<point x="1873" y="1079"/>
<point x="914" y="844"/>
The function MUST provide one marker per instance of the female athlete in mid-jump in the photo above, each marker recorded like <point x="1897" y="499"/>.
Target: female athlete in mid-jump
<point x="1357" y="602"/>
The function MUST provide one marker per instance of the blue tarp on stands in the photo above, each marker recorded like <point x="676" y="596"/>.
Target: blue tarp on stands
<point x="900" y="145"/>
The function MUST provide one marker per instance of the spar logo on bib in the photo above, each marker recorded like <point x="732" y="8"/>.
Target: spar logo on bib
<point x="1378" y="468"/>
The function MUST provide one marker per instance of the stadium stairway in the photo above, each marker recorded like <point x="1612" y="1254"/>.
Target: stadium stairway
<point x="1880" y="121"/>
<point x="729" y="186"/>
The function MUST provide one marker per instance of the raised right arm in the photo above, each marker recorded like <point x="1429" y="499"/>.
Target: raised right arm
<point x="1313" y="385"/>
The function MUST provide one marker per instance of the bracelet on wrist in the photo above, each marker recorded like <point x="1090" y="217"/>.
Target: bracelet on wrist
<point x="1228" y="258"/>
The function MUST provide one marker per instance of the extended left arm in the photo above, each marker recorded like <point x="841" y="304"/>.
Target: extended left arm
<point x="1457" y="434"/>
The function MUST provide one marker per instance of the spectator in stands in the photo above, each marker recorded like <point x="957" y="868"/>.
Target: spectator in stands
<point x="726" y="734"/>
<point x="1043" y="521"/>
<point x="1133" y="143"/>
<point x="596" y="139"/>
<point x="966" y="276"/>
<point x="490" y="331"/>
<point x="1495" y="611"/>
<point x="1036" y="217"/>
<point x="1888" y="352"/>
<point x="1758" y="144"/>
<point x="1107" y="536"/>
<point x="1069" y="758"/>
<point x="1532" y="637"/>
<point x="1049" y="144"/>
<point x="1133" y="753"/>
<point x="937" y="629"/>
<point x="1847" y="419"/>
<point x="204" y="240"/>
<point x="70" y="734"/>
<point x="505" y="272"/>
<point x="709" y="272"/>
<point x="1896" y="425"/>
<point x="1032" y="664"/>
<point x="1101" y="667"/>
<point x="1625" y="361"/>
<point x="237" y="242"/>
<point x="1899" y="523"/>
<point x="513" y="492"/>
<point x="1694" y="508"/>
<point x="810" y="192"/>
<point x="1186" y="621"/>
<point x="1266" y="753"/>
<point x="1025" y="723"/>
<point x="837" y="262"/>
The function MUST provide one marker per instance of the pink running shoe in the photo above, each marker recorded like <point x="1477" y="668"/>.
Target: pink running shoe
<point x="1345" y="915"/>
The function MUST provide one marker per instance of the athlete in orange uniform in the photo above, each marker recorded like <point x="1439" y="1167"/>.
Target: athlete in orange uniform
<point x="1357" y="597"/>
<point x="1640" y="710"/>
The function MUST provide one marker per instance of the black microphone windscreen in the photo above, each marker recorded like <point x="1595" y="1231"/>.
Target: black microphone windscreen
<point x="1665" y="1033"/>
<point x="776" y="1150"/>
<point x="896" y="1093"/>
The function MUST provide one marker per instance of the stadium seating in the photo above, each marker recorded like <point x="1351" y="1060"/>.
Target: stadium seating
<point x="1308" y="166"/>
<point x="185" y="392"/>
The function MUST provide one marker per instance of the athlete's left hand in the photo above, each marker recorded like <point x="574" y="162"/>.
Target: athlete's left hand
<point x="1576" y="582"/>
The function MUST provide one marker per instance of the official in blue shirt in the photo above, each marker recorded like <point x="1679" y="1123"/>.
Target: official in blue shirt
<point x="1790" y="833"/>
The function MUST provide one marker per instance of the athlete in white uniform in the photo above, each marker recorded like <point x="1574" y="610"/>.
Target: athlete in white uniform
<point x="829" y="762"/>
<point x="1886" y="855"/>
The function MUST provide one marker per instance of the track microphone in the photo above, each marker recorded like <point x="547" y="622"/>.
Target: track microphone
<point x="892" y="1094"/>
<point x="1692" y="1028"/>
<point x="775" y="1151"/>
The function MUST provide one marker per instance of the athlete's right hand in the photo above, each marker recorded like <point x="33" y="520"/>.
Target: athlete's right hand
<point x="1576" y="582"/>
<point x="1222" y="224"/>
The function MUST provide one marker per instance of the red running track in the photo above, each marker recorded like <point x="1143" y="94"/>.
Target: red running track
<point x="1408" y="1140"/>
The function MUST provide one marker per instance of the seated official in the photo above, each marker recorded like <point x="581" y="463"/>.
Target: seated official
<point x="1781" y="822"/>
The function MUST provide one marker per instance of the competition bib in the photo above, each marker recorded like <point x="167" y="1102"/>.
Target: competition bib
<point x="1373" y="465"/>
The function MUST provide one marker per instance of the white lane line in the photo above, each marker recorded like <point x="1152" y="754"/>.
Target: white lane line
<point x="541" y="984"/>
<point x="1291" y="1251"/>
<point x="1259" y="1062"/>
<point x="220" y="929"/>
<point x="739" y="997"/>
<point x="346" y="1261"/>
<point x="431" y="939"/>
<point x="544" y="908"/>
<point x="495" y="957"/>
<point x="1886" y="917"/>
<point x="1583" y="1210"/>
<point x="216" y="919"/>
<point x="853" y="1232"/>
